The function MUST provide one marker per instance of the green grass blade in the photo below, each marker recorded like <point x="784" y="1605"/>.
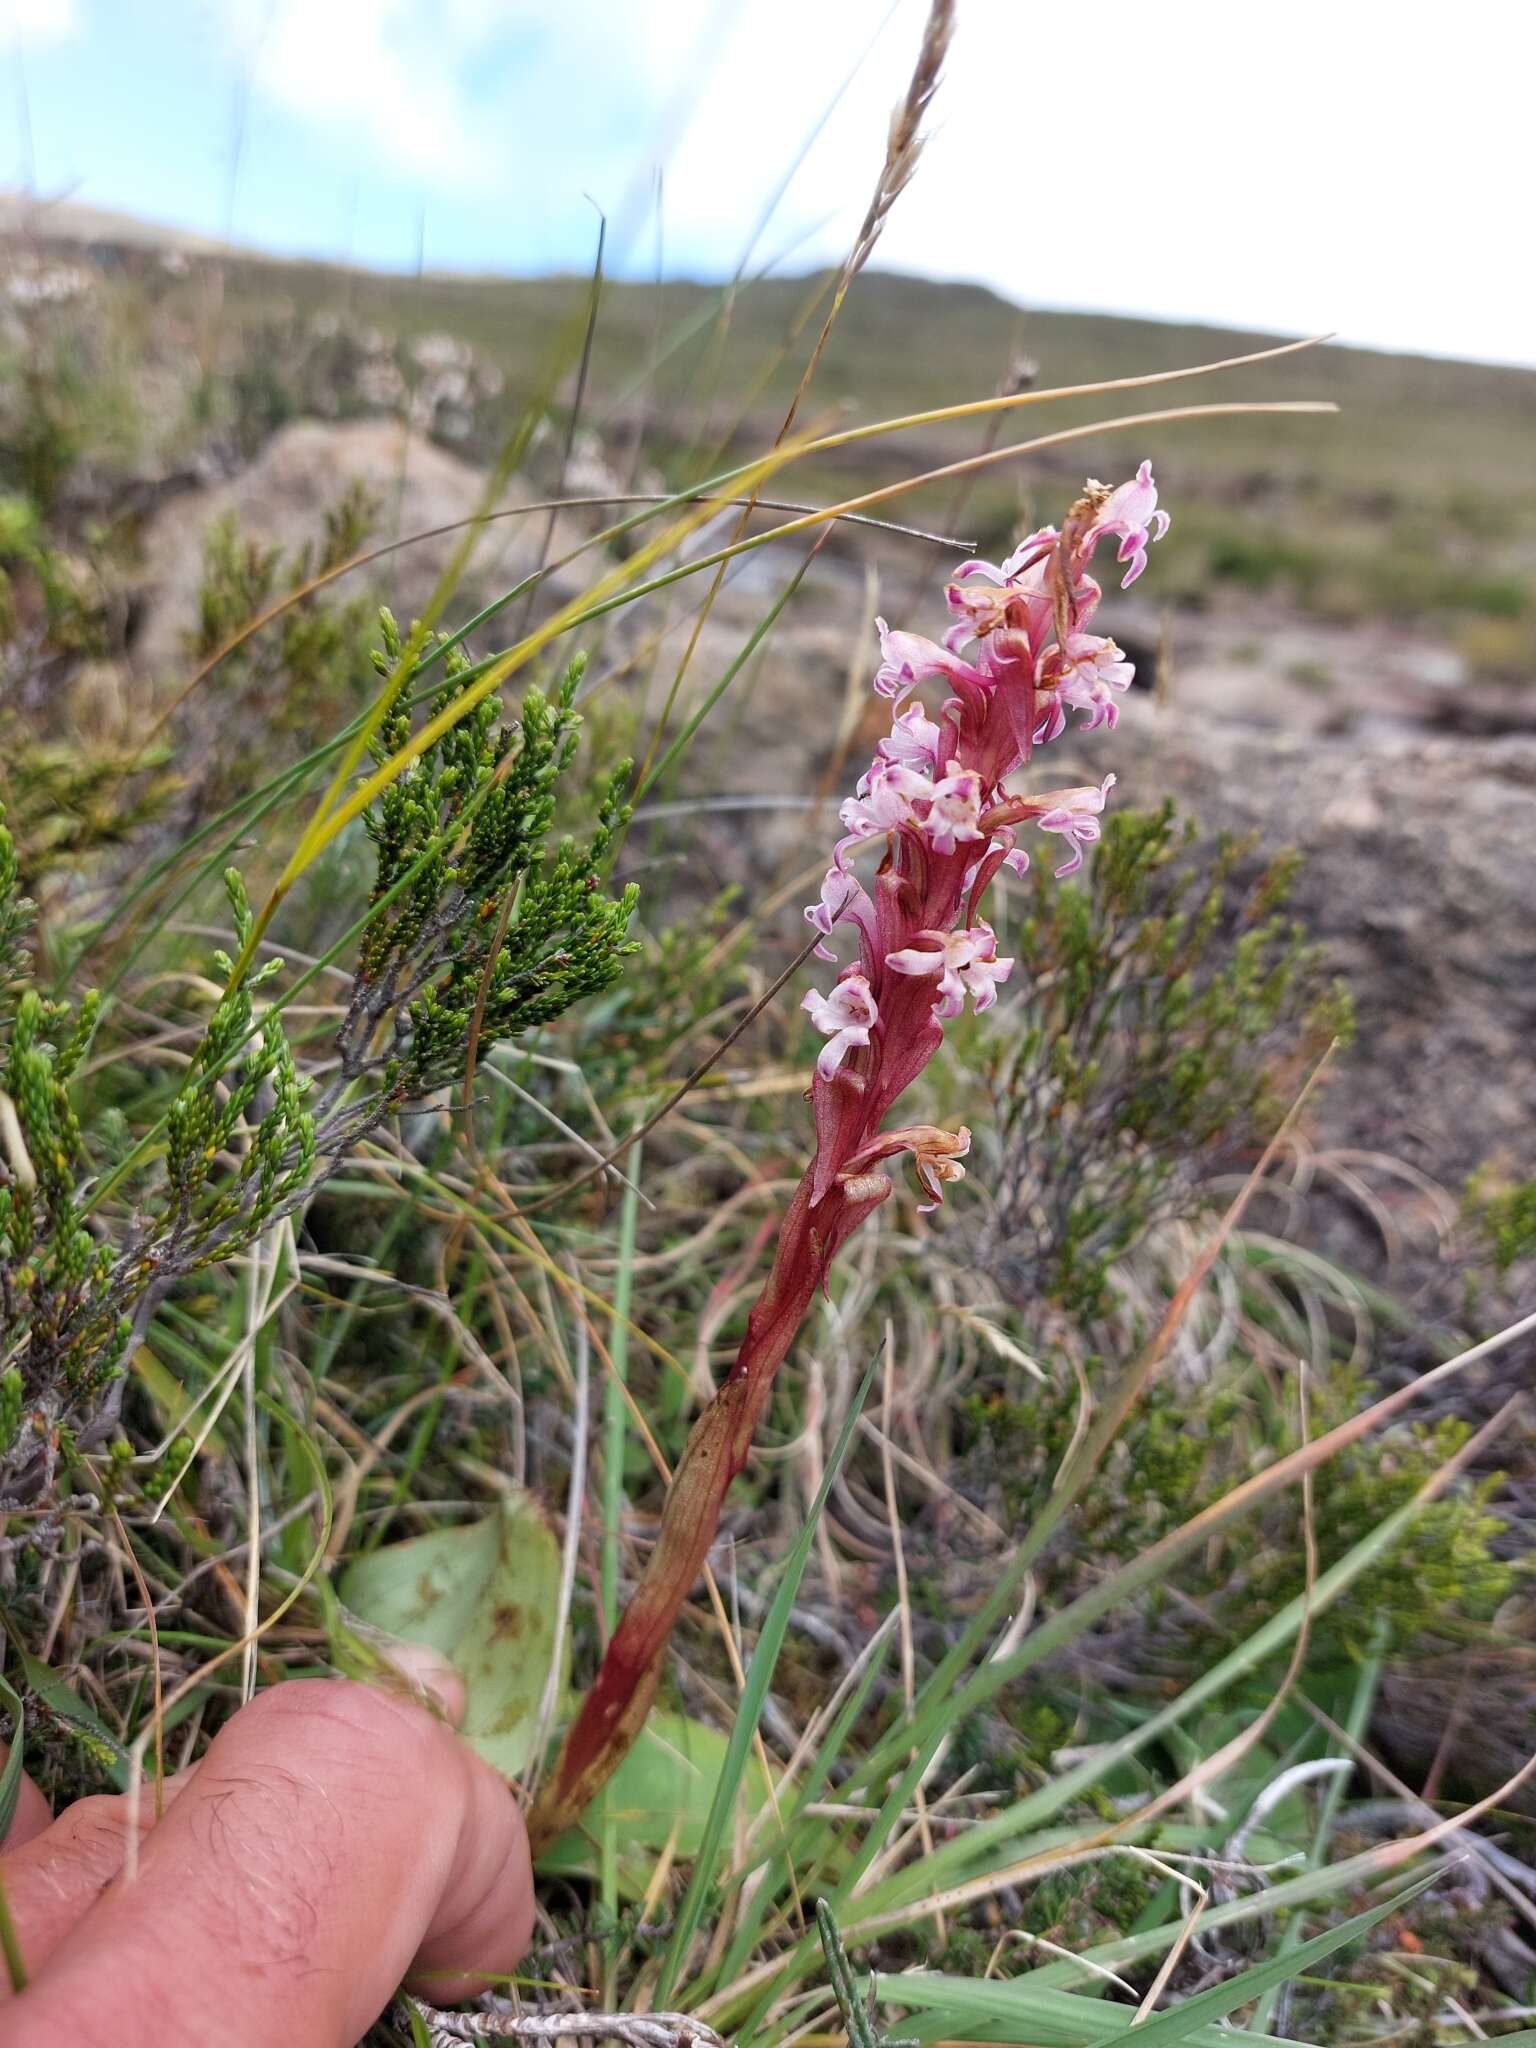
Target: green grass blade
<point x="1182" y="2021"/>
<point x="615" y="1434"/>
<point x="10" y="1777"/>
<point x="1355" y="1725"/>
<point x="1266" y="1642"/>
<point x="800" y="1844"/>
<point x="905" y="1896"/>
<point x="58" y="1698"/>
<point x="1019" y="2010"/>
<point x="615" y="1415"/>
<point x="1307" y="1888"/>
<point x="733" y="668"/>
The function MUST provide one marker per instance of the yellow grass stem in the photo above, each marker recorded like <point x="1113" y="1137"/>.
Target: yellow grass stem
<point x="841" y="438"/>
<point x="333" y="818"/>
<point x="990" y="456"/>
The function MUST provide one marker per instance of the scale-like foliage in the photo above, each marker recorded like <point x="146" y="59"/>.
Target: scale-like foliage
<point x="479" y="930"/>
<point x="1171" y="1008"/>
<point x="239" y="1066"/>
<point x="474" y="916"/>
<point x="58" y="1321"/>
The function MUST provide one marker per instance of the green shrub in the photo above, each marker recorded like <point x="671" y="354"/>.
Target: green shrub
<point x="479" y="928"/>
<point x="1183" y="1448"/>
<point x="1170" y="1010"/>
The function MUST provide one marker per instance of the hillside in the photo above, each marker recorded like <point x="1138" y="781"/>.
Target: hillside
<point x="901" y="344"/>
<point x="1418" y="503"/>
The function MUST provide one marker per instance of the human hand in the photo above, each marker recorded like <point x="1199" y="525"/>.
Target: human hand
<point x="333" y="1840"/>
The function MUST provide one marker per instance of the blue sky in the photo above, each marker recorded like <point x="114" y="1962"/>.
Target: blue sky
<point x="1318" y="166"/>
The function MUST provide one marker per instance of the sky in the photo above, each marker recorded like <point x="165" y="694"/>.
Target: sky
<point x="1360" y="166"/>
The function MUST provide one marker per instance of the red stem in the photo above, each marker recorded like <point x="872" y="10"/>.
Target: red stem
<point x="936" y="868"/>
<point x="718" y="1445"/>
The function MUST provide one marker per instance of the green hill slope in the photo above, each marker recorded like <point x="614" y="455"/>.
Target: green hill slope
<point x="1417" y="502"/>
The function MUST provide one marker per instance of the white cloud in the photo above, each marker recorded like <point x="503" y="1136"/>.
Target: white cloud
<point x="775" y="100"/>
<point x="531" y="103"/>
<point x="1291" y="170"/>
<point x="37" y="21"/>
<point x="1313" y="167"/>
<point x="407" y="79"/>
<point x="1298" y="170"/>
<point x="375" y="70"/>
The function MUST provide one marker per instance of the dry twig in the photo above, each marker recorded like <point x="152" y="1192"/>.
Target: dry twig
<point x="636" y="2030"/>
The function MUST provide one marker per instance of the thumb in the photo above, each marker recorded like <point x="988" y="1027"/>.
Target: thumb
<point x="427" y="1676"/>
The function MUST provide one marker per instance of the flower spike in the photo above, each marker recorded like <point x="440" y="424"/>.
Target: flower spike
<point x="1018" y="657"/>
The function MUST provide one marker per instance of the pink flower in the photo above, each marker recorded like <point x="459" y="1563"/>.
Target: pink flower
<point x="1030" y="551"/>
<point x="847" y="1016"/>
<point x="913" y="741"/>
<point x="1010" y="598"/>
<point x="1074" y="813"/>
<point x="966" y="962"/>
<point x="841" y="896"/>
<point x="936" y="1166"/>
<point x="1081" y="676"/>
<point x="1003" y="851"/>
<point x="981" y="608"/>
<point x="1007" y="852"/>
<point x="887" y="793"/>
<point x="953" y="812"/>
<point x="1130" y="510"/>
<point x="908" y="659"/>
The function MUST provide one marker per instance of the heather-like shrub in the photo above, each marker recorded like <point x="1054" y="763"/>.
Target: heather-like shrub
<point x="1167" y="1012"/>
<point x="478" y="929"/>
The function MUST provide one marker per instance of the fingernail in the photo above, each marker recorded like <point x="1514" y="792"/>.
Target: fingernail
<point x="429" y="1674"/>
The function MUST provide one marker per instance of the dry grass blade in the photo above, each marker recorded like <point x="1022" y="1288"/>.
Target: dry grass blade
<point x="903" y="149"/>
<point x="573" y="420"/>
<point x="570" y="1549"/>
<point x="335" y="812"/>
<point x="997" y="404"/>
<point x="1170" y="1962"/>
<point x="971" y="1891"/>
<point x="152" y="1730"/>
<point x="969" y="465"/>
<point x="904" y="146"/>
<point x="1222" y="1760"/>
<point x="1106" y="1426"/>
<point x="1011" y="401"/>
<point x="1481" y="1852"/>
<point x="903" y="1595"/>
<point x="365" y="558"/>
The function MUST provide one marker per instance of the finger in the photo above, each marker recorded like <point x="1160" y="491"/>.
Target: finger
<point x="60" y="1873"/>
<point x="330" y="1834"/>
<point x="31" y="1815"/>
<point x="430" y="1677"/>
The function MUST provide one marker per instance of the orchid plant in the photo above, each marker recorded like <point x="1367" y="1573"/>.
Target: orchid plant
<point x="1017" y="659"/>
